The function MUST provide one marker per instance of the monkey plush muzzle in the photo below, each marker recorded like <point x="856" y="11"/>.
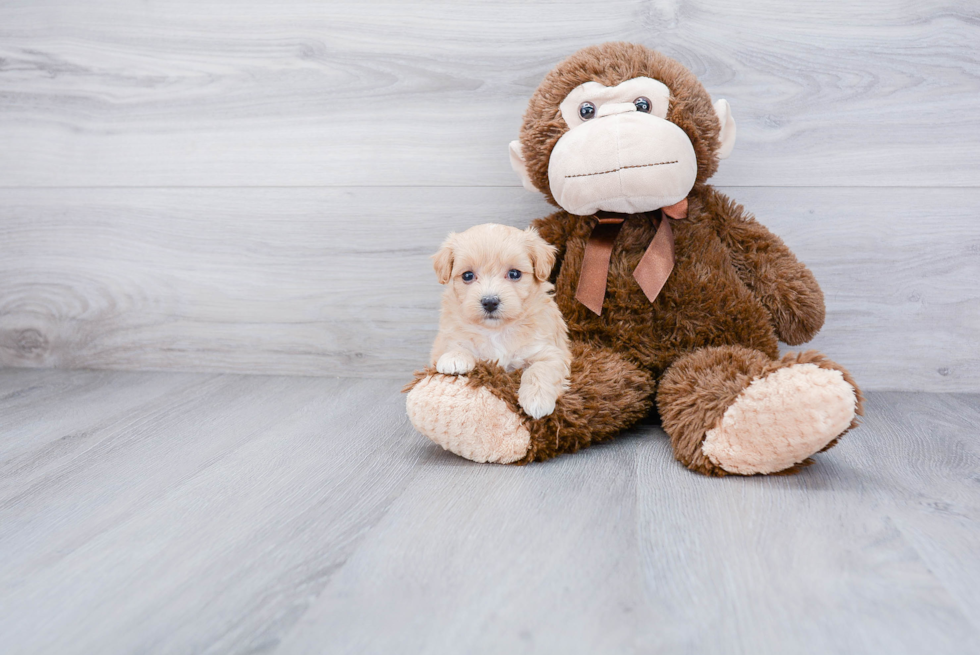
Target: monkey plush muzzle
<point x="622" y="161"/>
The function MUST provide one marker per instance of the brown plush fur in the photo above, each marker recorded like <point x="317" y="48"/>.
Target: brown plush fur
<point x="695" y="393"/>
<point x="734" y="291"/>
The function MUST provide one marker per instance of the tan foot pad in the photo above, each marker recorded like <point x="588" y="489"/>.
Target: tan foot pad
<point x="781" y="419"/>
<point x="471" y="422"/>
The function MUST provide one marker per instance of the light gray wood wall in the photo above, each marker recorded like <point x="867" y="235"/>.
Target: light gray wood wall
<point x="256" y="187"/>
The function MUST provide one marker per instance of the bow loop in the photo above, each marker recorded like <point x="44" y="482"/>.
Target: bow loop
<point x="651" y="273"/>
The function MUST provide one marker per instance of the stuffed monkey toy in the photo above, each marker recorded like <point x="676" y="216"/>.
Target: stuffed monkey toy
<point x="674" y="296"/>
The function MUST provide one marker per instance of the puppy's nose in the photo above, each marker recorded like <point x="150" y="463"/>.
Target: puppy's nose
<point x="490" y="303"/>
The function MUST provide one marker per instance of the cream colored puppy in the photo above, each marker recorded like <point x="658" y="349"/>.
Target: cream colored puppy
<point x="498" y="306"/>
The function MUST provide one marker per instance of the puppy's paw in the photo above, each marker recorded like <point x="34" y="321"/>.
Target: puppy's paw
<point x="455" y="363"/>
<point x="535" y="400"/>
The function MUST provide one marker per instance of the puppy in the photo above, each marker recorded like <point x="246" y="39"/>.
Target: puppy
<point x="498" y="306"/>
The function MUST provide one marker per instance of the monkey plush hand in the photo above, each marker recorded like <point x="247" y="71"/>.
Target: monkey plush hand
<point x="673" y="294"/>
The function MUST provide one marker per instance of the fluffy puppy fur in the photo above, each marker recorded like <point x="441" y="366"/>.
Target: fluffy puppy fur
<point x="498" y="306"/>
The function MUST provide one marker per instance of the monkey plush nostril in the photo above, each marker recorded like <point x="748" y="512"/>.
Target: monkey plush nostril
<point x="490" y="304"/>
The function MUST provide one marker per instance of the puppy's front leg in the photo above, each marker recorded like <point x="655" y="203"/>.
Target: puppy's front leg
<point x="455" y="362"/>
<point x="541" y="384"/>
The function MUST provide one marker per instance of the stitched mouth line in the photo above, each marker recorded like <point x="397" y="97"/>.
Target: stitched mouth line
<point x="659" y="163"/>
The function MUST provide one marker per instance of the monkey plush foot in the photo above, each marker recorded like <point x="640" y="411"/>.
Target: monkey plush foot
<point x="466" y="420"/>
<point x="779" y="420"/>
<point x="732" y="410"/>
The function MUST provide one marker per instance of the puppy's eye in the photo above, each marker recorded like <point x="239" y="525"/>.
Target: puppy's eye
<point x="468" y="276"/>
<point x="586" y="110"/>
<point x="642" y="104"/>
<point x="514" y="274"/>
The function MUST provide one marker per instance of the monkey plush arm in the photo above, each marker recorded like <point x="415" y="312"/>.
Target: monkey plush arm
<point x="553" y="230"/>
<point x="770" y="270"/>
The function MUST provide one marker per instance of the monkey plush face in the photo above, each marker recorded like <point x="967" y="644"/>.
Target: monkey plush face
<point x="620" y="128"/>
<point x="620" y="152"/>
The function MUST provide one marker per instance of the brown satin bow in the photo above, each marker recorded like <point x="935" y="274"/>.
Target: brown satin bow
<point x="652" y="271"/>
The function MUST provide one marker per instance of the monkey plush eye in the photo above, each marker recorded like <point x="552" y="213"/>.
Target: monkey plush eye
<point x="514" y="274"/>
<point x="468" y="276"/>
<point x="586" y="110"/>
<point x="642" y="104"/>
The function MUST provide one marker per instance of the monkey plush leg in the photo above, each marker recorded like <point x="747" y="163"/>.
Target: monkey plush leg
<point x="478" y="416"/>
<point x="733" y="410"/>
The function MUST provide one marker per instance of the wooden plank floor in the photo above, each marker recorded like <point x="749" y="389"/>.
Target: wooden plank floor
<point x="166" y="512"/>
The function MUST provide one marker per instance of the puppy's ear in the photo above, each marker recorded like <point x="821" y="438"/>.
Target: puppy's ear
<point x="542" y="254"/>
<point x="442" y="261"/>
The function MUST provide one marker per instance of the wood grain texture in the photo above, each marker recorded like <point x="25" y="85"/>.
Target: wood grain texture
<point x="306" y="92"/>
<point x="256" y="188"/>
<point x="815" y="563"/>
<point x="477" y="559"/>
<point x="162" y="512"/>
<point x="931" y="482"/>
<point x="338" y="281"/>
<point x="205" y="518"/>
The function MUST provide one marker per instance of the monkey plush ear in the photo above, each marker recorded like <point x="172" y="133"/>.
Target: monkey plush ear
<point x="726" y="137"/>
<point x="517" y="163"/>
<point x="442" y="261"/>
<point x="542" y="254"/>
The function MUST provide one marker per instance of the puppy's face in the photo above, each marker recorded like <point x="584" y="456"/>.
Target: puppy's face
<point x="493" y="272"/>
